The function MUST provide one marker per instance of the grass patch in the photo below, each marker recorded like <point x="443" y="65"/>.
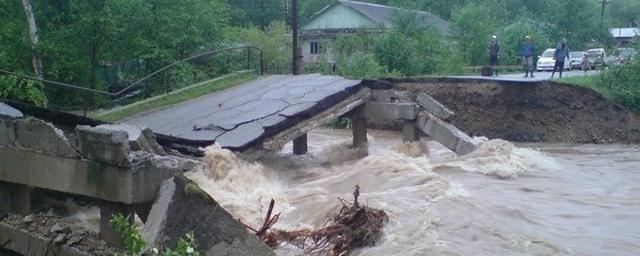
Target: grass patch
<point x="181" y="95"/>
<point x="619" y="84"/>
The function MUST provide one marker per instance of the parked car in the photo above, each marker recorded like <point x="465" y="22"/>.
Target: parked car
<point x="623" y="56"/>
<point x="597" y="58"/>
<point x="577" y="58"/>
<point x="546" y="61"/>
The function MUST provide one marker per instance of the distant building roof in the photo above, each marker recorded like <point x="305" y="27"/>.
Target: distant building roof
<point x="383" y="15"/>
<point x="624" y="32"/>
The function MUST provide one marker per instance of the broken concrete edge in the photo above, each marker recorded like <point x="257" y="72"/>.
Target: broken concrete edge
<point x="128" y="185"/>
<point x="35" y="135"/>
<point x="278" y="140"/>
<point x="445" y="133"/>
<point x="434" y="107"/>
<point x="390" y="110"/>
<point x="24" y="242"/>
<point x="180" y="207"/>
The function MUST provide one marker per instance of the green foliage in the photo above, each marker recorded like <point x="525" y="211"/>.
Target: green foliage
<point x="360" y="65"/>
<point x="22" y="90"/>
<point x="185" y="247"/>
<point x="472" y="30"/>
<point x="131" y="237"/>
<point x="340" y="123"/>
<point x="134" y="244"/>
<point x="620" y="84"/>
<point x="275" y="41"/>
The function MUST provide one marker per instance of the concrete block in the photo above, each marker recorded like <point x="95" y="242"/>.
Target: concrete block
<point x="104" y="145"/>
<point x="181" y="207"/>
<point x="445" y="133"/>
<point x="434" y="107"/>
<point x="7" y="132"/>
<point x="42" y="136"/>
<point x="139" y="139"/>
<point x="390" y="111"/>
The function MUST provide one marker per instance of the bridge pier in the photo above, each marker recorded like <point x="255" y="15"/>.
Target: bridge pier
<point x="359" y="127"/>
<point x="300" y="146"/>
<point x="409" y="131"/>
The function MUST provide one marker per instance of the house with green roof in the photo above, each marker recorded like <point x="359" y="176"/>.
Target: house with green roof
<point x="344" y="17"/>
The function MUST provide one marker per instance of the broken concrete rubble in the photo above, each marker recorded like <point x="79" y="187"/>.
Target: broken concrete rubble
<point x="434" y="107"/>
<point x="182" y="207"/>
<point x="445" y="133"/>
<point x="140" y="139"/>
<point x="104" y="145"/>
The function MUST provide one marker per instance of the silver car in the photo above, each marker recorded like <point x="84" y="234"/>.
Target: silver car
<point x="547" y="61"/>
<point x="576" y="59"/>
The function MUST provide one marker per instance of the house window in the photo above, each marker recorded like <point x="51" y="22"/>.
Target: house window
<point x="315" y="47"/>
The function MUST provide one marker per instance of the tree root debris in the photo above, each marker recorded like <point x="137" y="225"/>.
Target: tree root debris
<point x="352" y="227"/>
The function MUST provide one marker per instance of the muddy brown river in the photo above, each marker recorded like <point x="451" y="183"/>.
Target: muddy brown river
<point x="503" y="199"/>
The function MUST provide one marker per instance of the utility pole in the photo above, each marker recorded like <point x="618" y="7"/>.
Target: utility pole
<point x="300" y="143"/>
<point x="604" y="4"/>
<point x="296" y="70"/>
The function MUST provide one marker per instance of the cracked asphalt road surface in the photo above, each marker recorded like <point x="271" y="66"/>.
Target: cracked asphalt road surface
<point x="242" y="115"/>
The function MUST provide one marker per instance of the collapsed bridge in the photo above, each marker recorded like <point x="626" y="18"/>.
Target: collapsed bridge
<point x="123" y="166"/>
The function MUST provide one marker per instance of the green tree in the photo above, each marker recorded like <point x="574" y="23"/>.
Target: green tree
<point x="472" y="29"/>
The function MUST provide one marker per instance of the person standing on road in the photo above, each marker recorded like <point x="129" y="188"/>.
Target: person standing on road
<point x="560" y="55"/>
<point x="528" y="49"/>
<point x="494" y="53"/>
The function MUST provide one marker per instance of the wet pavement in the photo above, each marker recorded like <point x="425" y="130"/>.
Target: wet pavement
<point x="237" y="117"/>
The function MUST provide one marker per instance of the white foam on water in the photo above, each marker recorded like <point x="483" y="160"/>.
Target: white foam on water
<point x="243" y="188"/>
<point x="502" y="159"/>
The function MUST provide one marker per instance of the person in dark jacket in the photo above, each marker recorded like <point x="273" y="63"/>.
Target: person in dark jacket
<point x="528" y="49"/>
<point x="560" y="55"/>
<point x="494" y="53"/>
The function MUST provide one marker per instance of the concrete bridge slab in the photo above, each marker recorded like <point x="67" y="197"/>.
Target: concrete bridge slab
<point x="239" y="117"/>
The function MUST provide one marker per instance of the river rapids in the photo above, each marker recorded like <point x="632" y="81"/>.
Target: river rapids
<point x="503" y="199"/>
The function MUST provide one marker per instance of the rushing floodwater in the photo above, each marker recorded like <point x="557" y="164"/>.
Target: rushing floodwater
<point x="500" y="200"/>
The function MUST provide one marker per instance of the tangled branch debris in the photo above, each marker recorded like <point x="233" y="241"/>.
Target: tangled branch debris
<point x="352" y="227"/>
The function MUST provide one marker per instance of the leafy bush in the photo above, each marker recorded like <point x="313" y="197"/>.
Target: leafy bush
<point x="621" y="84"/>
<point x="135" y="245"/>
<point x="15" y="88"/>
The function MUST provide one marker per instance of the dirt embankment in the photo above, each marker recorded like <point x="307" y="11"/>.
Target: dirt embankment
<point x="532" y="111"/>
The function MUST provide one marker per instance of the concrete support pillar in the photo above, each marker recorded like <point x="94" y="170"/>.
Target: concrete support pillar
<point x="15" y="198"/>
<point x="300" y="145"/>
<point x="359" y="124"/>
<point x="409" y="131"/>
<point x="107" y="210"/>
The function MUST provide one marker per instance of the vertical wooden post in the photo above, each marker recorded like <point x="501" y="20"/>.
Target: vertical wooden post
<point x="300" y="146"/>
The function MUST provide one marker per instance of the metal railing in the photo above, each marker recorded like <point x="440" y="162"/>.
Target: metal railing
<point x="203" y="67"/>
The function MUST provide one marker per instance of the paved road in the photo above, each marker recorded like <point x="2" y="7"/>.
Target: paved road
<point x="237" y="117"/>
<point x="539" y="76"/>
